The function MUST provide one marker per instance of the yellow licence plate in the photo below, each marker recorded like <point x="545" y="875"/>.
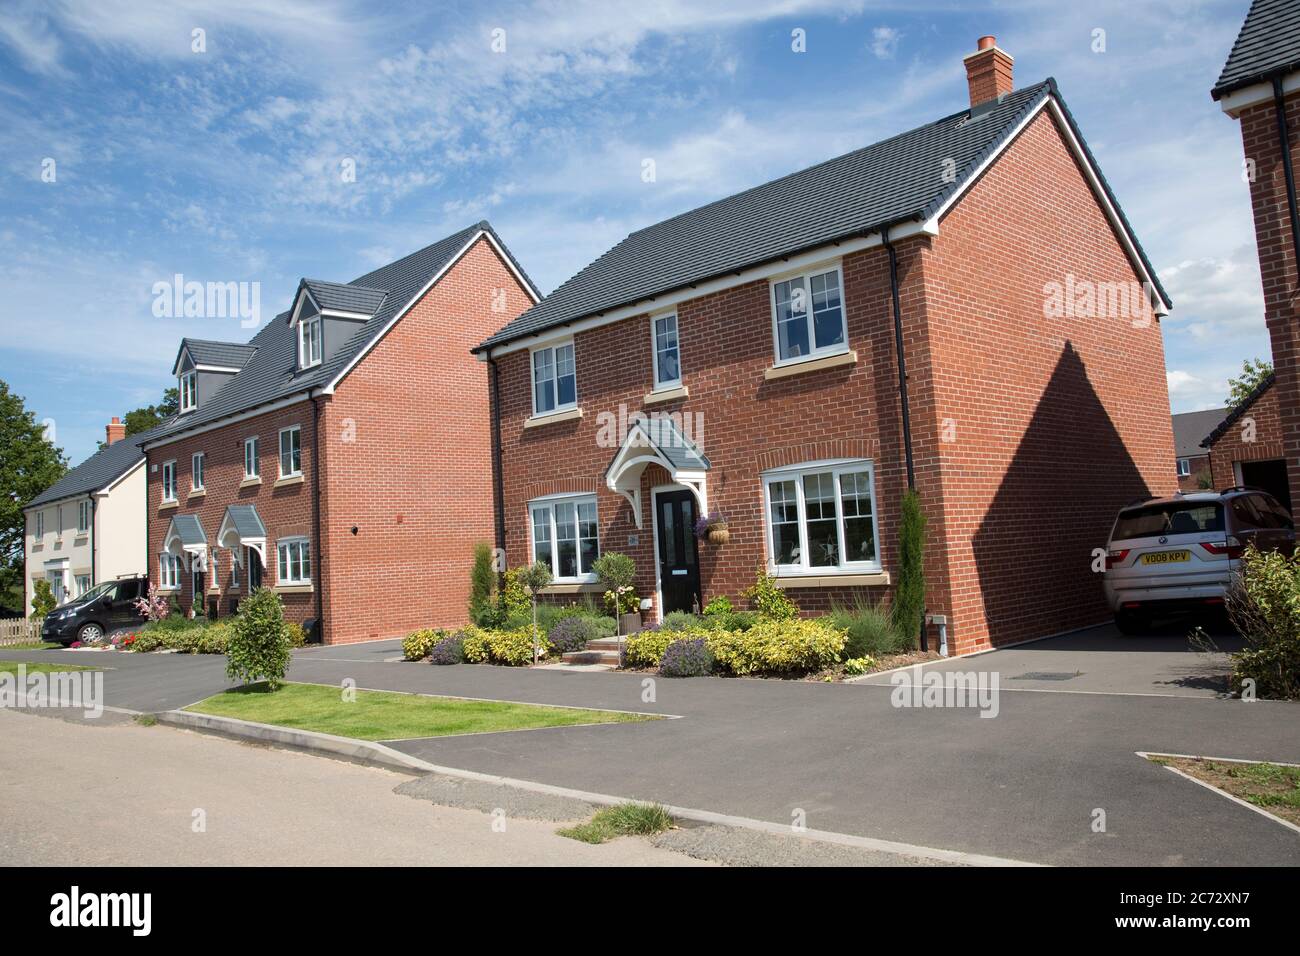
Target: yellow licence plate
<point x="1166" y="557"/>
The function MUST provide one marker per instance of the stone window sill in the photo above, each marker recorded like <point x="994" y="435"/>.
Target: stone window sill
<point x="169" y="505"/>
<point x="568" y="415"/>
<point x="811" y="365"/>
<point x="833" y="580"/>
<point x="288" y="480"/>
<point x="667" y="395"/>
<point x="294" y="589"/>
<point x="250" y="482"/>
<point x="198" y="492"/>
<point x="575" y="587"/>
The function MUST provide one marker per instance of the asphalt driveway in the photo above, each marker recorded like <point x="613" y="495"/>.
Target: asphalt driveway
<point x="1024" y="785"/>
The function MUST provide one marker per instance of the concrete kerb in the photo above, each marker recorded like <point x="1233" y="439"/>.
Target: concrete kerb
<point x="375" y="754"/>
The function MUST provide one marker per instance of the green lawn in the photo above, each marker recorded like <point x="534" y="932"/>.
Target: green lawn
<point x="11" y="667"/>
<point x="32" y="646"/>
<point x="381" y="715"/>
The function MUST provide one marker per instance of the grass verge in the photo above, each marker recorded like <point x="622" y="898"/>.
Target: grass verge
<point x="32" y="646"/>
<point x="383" y="715"/>
<point x="626" y="819"/>
<point x="11" y="667"/>
<point x="1265" y="785"/>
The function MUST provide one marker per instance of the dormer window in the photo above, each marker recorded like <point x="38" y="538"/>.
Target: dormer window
<point x="309" y="342"/>
<point x="189" y="391"/>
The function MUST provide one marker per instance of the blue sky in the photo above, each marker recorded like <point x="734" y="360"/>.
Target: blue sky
<point x="225" y="164"/>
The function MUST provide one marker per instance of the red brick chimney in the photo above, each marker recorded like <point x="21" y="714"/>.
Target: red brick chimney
<point x="115" y="429"/>
<point x="988" y="71"/>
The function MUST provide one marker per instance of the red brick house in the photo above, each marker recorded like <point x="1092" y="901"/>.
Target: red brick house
<point x="342" y="456"/>
<point x="1193" y="461"/>
<point x="963" y="307"/>
<point x="1245" y="447"/>
<point x="1260" y="87"/>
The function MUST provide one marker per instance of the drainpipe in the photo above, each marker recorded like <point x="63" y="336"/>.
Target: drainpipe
<point x="1284" y="140"/>
<point x="315" y="518"/>
<point x="498" y="489"/>
<point x="902" y="378"/>
<point x="94" y="567"/>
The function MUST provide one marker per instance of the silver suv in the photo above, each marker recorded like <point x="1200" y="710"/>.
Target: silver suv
<point x="1175" y="555"/>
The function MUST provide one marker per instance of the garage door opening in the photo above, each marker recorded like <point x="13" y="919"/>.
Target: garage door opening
<point x="1268" y="476"/>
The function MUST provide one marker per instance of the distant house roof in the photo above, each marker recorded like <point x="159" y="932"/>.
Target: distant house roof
<point x="904" y="178"/>
<point x="1268" y="45"/>
<point x="271" y="372"/>
<point x="99" y="470"/>
<point x="217" y="354"/>
<point x="1235" y="414"/>
<point x="1190" y="428"/>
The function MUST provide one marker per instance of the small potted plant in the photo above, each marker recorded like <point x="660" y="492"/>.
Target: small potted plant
<point x="616" y="572"/>
<point x="712" y="527"/>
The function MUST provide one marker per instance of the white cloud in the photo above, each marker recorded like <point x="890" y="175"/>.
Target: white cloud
<point x="884" y="42"/>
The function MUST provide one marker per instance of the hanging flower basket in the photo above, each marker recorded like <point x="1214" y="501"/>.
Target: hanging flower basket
<point x="712" y="528"/>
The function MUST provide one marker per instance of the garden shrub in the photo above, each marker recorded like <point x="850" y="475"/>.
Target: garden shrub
<point x="449" y="650"/>
<point x="729" y="621"/>
<point x="778" y="648"/>
<point x="718" y="605"/>
<point x="680" y="621"/>
<point x="646" y="648"/>
<point x="482" y="579"/>
<point x="514" y="599"/>
<point x="258" y="648"/>
<point x="687" y="658"/>
<point x="769" y="600"/>
<point x="417" y="644"/>
<point x="1264" y="605"/>
<point x="296" y="633"/>
<point x="869" y="630"/>
<point x="855" y="666"/>
<point x="43" y="602"/>
<point x="512" y="648"/>
<point x="573" y="633"/>
<point x="909" y="597"/>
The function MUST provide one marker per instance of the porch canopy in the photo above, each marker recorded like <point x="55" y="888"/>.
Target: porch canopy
<point x="186" y="539"/>
<point x="657" y="440"/>
<point x="241" y="527"/>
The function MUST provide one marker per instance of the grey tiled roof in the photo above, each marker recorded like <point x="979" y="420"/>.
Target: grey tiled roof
<point x="1191" y="427"/>
<point x="661" y="433"/>
<point x="896" y="180"/>
<point x="246" y="521"/>
<point x="224" y="354"/>
<point x="272" y="374"/>
<point x="99" y="470"/>
<point x="188" y="529"/>
<point x="1264" y="385"/>
<point x="1269" y="43"/>
<point x="345" y="298"/>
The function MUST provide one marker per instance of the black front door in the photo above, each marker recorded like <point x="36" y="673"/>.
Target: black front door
<point x="679" y="567"/>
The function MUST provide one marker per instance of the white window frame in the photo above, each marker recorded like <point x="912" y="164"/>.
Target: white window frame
<point x="310" y="332"/>
<point x="83" y="516"/>
<point x="295" y="472"/>
<point x="549" y="503"/>
<point x="76" y="583"/>
<point x="40" y="526"/>
<point x="251" y="442"/>
<point x="797" y="473"/>
<point x="234" y="572"/>
<point x="807" y="276"/>
<point x="1184" y="467"/>
<point x="169" y="572"/>
<point x="197" y="462"/>
<point x="189" y="391"/>
<point x="552" y="347"/>
<point x="664" y="384"/>
<point x="284" y="560"/>
<point x="169" y="480"/>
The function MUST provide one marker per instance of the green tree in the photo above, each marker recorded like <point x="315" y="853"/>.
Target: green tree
<point x="149" y="416"/>
<point x="29" y="464"/>
<point x="1253" y="371"/>
<point x="481" y="580"/>
<point x="536" y="578"/>
<point x="909" y="598"/>
<point x="259" y="645"/>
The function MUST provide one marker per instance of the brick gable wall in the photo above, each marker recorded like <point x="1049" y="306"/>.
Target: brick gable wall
<point x="1277" y="264"/>
<point x="1256" y="436"/>
<point x="1054" y="422"/>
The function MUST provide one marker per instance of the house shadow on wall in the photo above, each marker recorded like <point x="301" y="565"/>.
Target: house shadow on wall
<point x="1057" y="502"/>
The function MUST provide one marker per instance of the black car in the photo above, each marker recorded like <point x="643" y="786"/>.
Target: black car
<point x="105" y="608"/>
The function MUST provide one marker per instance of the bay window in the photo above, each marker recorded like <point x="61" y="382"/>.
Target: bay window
<point x="821" y="518"/>
<point x="808" y="315"/>
<point x="555" y="382"/>
<point x="169" y="572"/>
<point x="564" y="536"/>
